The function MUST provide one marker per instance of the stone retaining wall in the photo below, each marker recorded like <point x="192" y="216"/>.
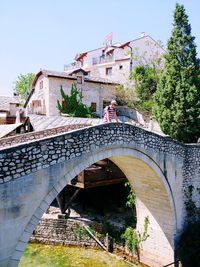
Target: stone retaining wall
<point x="62" y="232"/>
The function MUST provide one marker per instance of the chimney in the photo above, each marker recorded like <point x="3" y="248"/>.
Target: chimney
<point x="142" y="34"/>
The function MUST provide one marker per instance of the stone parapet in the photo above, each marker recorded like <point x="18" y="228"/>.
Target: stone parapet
<point x="24" y="138"/>
<point x="38" y="154"/>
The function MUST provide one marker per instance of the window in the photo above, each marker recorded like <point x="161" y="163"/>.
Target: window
<point x="108" y="71"/>
<point x="82" y="63"/>
<point x="120" y="67"/>
<point x="41" y="84"/>
<point x="109" y="57"/>
<point x="79" y="79"/>
<point x="94" y="106"/>
<point x="95" y="60"/>
<point x="36" y="103"/>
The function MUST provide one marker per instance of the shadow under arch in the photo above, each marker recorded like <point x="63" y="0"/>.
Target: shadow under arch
<point x="153" y="193"/>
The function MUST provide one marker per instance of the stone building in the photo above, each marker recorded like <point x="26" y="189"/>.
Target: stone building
<point x="8" y="106"/>
<point x="114" y="62"/>
<point x="97" y="92"/>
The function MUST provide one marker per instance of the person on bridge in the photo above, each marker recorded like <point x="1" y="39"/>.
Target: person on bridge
<point x="110" y="112"/>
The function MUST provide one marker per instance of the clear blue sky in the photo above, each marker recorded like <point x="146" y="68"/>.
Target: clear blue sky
<point x="47" y="34"/>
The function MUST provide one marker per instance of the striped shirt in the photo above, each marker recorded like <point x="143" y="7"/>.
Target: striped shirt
<point x="111" y="112"/>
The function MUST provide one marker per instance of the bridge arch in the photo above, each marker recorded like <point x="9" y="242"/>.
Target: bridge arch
<point x="154" y="199"/>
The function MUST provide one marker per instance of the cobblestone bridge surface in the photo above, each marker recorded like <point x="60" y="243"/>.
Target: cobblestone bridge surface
<point x="159" y="169"/>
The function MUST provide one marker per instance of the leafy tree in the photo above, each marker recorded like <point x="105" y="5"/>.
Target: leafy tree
<point x="145" y="82"/>
<point x="177" y="107"/>
<point x="73" y="105"/>
<point x="23" y="85"/>
<point x="145" y="76"/>
<point x="126" y="96"/>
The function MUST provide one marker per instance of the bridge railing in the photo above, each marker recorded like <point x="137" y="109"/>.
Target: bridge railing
<point x="23" y="138"/>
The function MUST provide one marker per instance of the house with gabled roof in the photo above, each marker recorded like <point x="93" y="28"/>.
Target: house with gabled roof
<point x="96" y="74"/>
<point x="8" y="106"/>
<point x="115" y="61"/>
<point x="96" y="91"/>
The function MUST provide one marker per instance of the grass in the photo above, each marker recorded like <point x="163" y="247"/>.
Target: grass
<point x="40" y="255"/>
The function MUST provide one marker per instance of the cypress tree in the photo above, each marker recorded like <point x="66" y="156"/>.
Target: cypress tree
<point x="177" y="99"/>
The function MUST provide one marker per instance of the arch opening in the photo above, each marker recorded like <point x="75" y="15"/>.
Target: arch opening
<point x="153" y="195"/>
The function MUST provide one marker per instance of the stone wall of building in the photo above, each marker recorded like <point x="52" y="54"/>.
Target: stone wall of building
<point x="39" y="101"/>
<point x="142" y="49"/>
<point x="93" y="92"/>
<point x="47" y="92"/>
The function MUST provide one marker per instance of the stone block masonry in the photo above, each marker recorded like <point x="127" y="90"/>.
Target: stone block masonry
<point x="159" y="169"/>
<point x="62" y="232"/>
<point x="24" y="138"/>
<point x="35" y="155"/>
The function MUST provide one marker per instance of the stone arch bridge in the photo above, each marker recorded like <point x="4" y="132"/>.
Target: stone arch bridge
<point x="159" y="169"/>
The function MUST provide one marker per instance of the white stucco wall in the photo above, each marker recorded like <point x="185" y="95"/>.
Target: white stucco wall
<point x="54" y="93"/>
<point x="92" y="92"/>
<point x="41" y="94"/>
<point x="13" y="109"/>
<point x="144" y="47"/>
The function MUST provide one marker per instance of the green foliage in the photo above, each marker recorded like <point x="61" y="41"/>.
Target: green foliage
<point x="177" y="98"/>
<point x="41" y="255"/>
<point x="144" y="76"/>
<point x="73" y="105"/>
<point x="147" y="106"/>
<point x="80" y="232"/>
<point x="130" y="197"/>
<point x="145" y="235"/>
<point x="145" y="79"/>
<point x="133" y="238"/>
<point x="23" y="85"/>
<point x="189" y="246"/>
<point x="145" y="83"/>
<point x="126" y="96"/>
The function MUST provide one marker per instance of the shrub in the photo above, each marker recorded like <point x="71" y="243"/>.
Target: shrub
<point x="73" y="105"/>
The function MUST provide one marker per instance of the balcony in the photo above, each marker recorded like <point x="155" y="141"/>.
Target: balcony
<point x="70" y="66"/>
<point x="102" y="60"/>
